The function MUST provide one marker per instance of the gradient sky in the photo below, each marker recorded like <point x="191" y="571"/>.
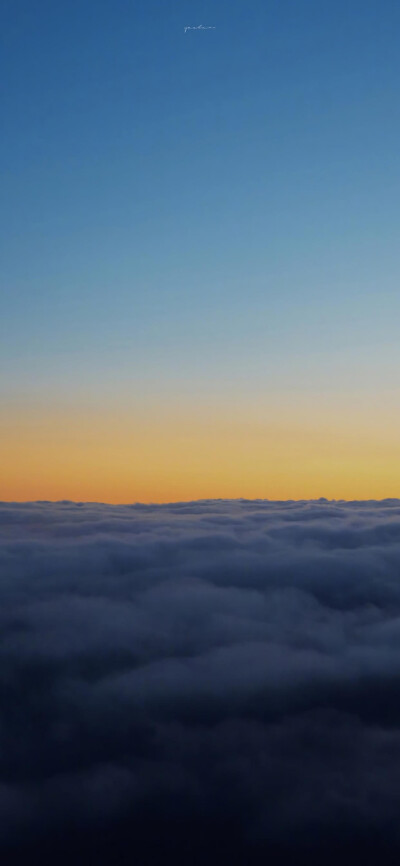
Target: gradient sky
<point x="200" y="249"/>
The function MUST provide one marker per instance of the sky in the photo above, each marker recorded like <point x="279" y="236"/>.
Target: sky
<point x="200" y="249"/>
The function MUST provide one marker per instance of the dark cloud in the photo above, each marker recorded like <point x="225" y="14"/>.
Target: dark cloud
<point x="209" y="682"/>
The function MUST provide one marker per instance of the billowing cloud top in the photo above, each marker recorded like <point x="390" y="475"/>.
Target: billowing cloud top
<point x="209" y="682"/>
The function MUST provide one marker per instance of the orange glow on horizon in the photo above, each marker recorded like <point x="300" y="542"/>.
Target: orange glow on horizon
<point x="275" y="452"/>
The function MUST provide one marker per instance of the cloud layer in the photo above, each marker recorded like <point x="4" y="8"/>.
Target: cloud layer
<point x="203" y="682"/>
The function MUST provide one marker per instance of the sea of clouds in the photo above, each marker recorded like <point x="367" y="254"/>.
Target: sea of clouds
<point x="208" y="682"/>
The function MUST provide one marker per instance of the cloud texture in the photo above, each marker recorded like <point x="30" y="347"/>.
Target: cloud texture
<point x="210" y="682"/>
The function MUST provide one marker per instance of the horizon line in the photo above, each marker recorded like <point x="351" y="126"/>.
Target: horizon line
<point x="80" y="502"/>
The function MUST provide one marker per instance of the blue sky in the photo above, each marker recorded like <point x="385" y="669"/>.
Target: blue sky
<point x="210" y="207"/>
<point x="150" y="174"/>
